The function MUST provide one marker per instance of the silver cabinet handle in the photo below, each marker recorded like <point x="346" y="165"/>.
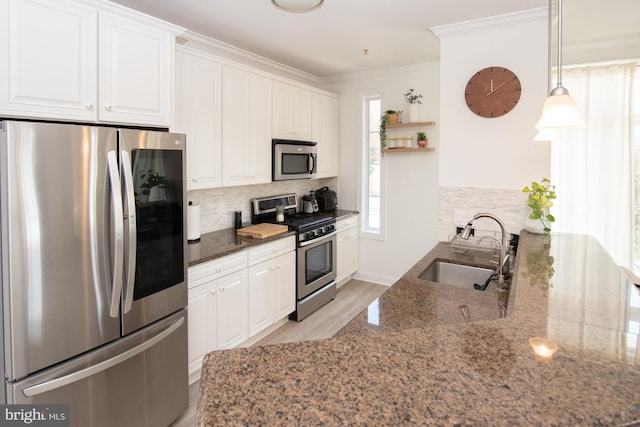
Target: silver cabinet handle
<point x="102" y="366"/>
<point x="131" y="244"/>
<point x="118" y="233"/>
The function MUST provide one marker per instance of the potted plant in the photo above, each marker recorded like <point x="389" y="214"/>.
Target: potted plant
<point x="392" y="116"/>
<point x="422" y="139"/>
<point x="413" y="101"/>
<point x="389" y="117"/>
<point x="540" y="199"/>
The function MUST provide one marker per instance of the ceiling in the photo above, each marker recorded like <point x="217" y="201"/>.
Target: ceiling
<point x="350" y="36"/>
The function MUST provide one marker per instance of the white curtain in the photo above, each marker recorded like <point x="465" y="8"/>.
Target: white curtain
<point x="592" y="167"/>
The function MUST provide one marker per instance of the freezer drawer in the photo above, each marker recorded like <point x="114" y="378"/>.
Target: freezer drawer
<point x="140" y="380"/>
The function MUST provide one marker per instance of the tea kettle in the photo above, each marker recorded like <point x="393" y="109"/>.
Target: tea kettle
<point x="309" y="203"/>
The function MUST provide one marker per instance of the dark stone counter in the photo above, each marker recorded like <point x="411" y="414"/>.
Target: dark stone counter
<point x="410" y="358"/>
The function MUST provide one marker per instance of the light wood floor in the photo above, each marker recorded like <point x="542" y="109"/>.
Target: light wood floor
<point x="352" y="298"/>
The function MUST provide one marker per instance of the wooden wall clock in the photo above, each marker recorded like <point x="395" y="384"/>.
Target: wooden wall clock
<point x="492" y="92"/>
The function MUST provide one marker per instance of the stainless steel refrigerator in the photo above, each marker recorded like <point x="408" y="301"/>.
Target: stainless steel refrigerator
<point x="94" y="269"/>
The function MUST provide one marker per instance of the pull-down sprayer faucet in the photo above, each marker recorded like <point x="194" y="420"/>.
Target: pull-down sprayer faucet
<point x="503" y="243"/>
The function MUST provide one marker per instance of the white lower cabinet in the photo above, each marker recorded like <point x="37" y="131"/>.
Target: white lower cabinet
<point x="231" y="310"/>
<point x="347" y="242"/>
<point x="271" y="291"/>
<point x="234" y="297"/>
<point x="202" y="325"/>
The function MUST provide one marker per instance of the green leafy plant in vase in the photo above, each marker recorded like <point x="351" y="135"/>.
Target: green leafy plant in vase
<point x="540" y="199"/>
<point x="422" y="139"/>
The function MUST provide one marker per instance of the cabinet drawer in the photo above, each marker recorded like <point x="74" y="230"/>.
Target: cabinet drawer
<point x="217" y="268"/>
<point x="270" y="250"/>
<point x="345" y="224"/>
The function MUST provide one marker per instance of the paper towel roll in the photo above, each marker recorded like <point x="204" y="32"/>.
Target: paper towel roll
<point x="193" y="222"/>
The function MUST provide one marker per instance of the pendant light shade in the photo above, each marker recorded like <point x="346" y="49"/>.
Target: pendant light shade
<point x="560" y="109"/>
<point x="297" y="6"/>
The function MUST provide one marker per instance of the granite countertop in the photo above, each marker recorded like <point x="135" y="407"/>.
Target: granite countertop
<point x="410" y="358"/>
<point x="220" y="243"/>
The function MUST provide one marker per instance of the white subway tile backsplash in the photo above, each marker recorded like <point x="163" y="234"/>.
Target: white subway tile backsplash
<point x="217" y="205"/>
<point x="457" y="205"/>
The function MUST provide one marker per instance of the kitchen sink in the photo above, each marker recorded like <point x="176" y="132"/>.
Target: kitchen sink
<point x="460" y="275"/>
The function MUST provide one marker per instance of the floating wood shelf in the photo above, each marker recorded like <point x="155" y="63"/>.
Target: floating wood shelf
<point x="412" y="124"/>
<point x="405" y="150"/>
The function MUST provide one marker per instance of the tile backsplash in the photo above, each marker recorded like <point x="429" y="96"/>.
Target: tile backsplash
<point x="457" y="205"/>
<point x="217" y="205"/>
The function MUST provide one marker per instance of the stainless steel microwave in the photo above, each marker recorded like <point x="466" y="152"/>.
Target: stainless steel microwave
<point x="294" y="159"/>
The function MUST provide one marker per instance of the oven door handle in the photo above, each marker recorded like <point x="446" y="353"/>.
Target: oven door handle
<point x="318" y="240"/>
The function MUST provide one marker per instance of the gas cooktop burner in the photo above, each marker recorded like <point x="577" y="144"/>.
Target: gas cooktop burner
<point x="304" y="221"/>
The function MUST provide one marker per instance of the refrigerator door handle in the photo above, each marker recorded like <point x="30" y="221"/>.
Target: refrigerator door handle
<point x="102" y="366"/>
<point x="118" y="234"/>
<point x="131" y="244"/>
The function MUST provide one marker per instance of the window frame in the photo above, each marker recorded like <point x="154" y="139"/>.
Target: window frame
<point x="363" y="98"/>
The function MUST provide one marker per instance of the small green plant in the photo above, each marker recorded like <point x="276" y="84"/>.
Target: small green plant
<point x="383" y="127"/>
<point x="412" y="98"/>
<point x="541" y="196"/>
<point x="421" y="136"/>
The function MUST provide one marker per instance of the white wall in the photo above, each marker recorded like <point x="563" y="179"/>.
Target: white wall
<point x="412" y="178"/>
<point x="485" y="162"/>
<point x="493" y="152"/>
<point x="471" y="152"/>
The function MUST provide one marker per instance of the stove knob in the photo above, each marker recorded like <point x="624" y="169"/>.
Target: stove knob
<point x="312" y="234"/>
<point x="307" y="235"/>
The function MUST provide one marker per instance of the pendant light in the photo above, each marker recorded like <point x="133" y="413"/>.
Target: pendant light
<point x="559" y="110"/>
<point x="297" y="6"/>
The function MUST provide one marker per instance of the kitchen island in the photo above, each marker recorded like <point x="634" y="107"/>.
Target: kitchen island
<point x="411" y="358"/>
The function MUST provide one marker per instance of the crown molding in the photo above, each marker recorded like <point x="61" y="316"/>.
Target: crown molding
<point x="236" y="55"/>
<point x="492" y="23"/>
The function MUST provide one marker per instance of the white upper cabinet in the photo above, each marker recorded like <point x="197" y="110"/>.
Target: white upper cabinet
<point x="136" y="72"/>
<point x="246" y="127"/>
<point x="291" y="112"/>
<point x="199" y="115"/>
<point x="66" y="60"/>
<point x="324" y="129"/>
<point x="48" y="59"/>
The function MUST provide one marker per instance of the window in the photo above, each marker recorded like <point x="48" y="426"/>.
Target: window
<point x="592" y="167"/>
<point x="372" y="179"/>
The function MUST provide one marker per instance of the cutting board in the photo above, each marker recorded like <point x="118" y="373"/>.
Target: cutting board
<point x="262" y="231"/>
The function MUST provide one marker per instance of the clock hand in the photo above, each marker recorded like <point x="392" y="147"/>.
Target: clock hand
<point x="491" y="90"/>
<point x="500" y="85"/>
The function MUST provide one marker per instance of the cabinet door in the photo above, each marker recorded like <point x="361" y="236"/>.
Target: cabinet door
<point x="348" y="247"/>
<point x="302" y="114"/>
<point x="136" y="72"/>
<point x="283" y="285"/>
<point x="48" y="59"/>
<point x="232" y="310"/>
<point x="201" y="324"/>
<point x="325" y="133"/>
<point x="246" y="128"/>
<point x="199" y="115"/>
<point x="259" y="295"/>
<point x="291" y="112"/>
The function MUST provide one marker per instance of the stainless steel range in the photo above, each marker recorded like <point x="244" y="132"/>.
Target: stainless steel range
<point x="315" y="252"/>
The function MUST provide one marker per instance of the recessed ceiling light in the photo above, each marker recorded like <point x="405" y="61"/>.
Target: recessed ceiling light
<point x="297" y="6"/>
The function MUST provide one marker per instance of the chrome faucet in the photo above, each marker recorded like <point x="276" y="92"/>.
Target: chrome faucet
<point x="503" y="243"/>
